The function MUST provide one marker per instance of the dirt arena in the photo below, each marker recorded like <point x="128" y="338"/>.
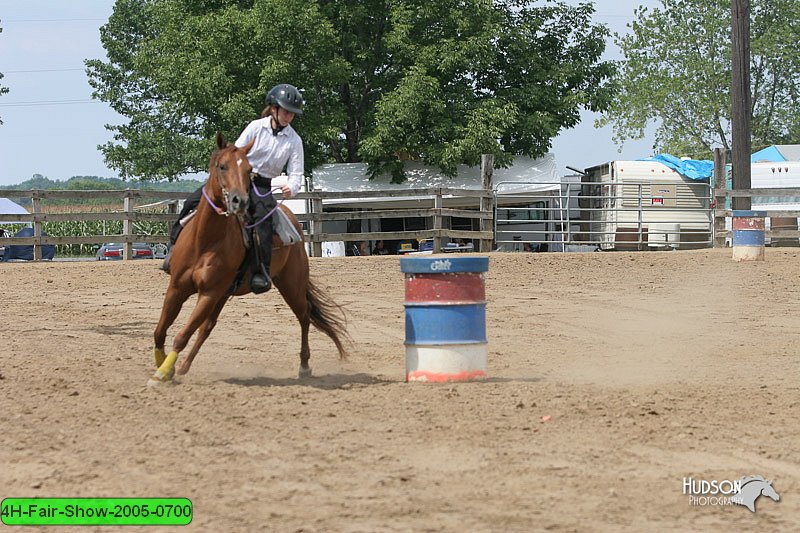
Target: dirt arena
<point x="613" y="376"/>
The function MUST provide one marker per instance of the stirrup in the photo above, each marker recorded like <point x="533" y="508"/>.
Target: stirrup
<point x="260" y="282"/>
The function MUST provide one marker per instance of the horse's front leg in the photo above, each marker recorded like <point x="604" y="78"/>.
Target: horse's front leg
<point x="173" y="302"/>
<point x="206" y="303"/>
<point x="202" y="335"/>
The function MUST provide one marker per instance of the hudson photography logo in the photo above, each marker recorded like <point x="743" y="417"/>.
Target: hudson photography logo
<point x="743" y="491"/>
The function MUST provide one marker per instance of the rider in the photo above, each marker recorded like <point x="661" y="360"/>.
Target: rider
<point x="277" y="146"/>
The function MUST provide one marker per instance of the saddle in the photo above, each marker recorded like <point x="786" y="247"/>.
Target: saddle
<point x="283" y="234"/>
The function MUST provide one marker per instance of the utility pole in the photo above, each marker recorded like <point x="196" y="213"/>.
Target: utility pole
<point x="741" y="110"/>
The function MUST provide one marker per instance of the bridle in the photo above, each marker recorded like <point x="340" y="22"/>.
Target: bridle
<point x="225" y="195"/>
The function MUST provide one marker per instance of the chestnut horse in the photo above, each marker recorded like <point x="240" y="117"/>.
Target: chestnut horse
<point x="207" y="257"/>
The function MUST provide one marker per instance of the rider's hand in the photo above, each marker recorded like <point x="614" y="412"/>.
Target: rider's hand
<point x="287" y="191"/>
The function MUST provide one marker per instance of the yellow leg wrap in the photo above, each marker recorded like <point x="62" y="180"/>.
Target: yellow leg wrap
<point x="166" y="370"/>
<point x="159" y="355"/>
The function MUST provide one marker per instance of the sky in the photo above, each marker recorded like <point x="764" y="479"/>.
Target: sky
<point x="51" y="126"/>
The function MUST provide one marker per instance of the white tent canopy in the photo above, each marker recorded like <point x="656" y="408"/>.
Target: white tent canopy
<point x="7" y="207"/>
<point x="525" y="175"/>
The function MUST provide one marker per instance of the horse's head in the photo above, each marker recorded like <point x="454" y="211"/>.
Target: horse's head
<point x="768" y="491"/>
<point x="230" y="175"/>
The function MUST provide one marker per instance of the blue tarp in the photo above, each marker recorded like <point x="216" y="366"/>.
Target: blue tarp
<point x="20" y="251"/>
<point x="770" y="153"/>
<point x="691" y="168"/>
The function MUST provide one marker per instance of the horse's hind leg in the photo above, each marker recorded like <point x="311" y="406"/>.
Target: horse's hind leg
<point x="299" y="305"/>
<point x="305" y="351"/>
<point x="202" y="335"/>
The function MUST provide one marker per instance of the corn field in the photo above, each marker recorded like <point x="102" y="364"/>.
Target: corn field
<point x="81" y="228"/>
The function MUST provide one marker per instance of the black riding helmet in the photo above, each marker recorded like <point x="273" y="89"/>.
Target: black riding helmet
<point x="288" y="97"/>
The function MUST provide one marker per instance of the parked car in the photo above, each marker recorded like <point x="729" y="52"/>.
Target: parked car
<point x="3" y="234"/>
<point x="113" y="250"/>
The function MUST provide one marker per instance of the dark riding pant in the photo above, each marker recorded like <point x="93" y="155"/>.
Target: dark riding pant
<point x="260" y="206"/>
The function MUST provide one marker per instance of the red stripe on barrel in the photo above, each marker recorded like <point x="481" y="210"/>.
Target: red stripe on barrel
<point x="445" y="288"/>
<point x="748" y="223"/>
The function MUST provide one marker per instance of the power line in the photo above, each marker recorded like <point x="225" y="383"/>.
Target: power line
<point x="53" y="20"/>
<point x="42" y="70"/>
<point x="47" y="102"/>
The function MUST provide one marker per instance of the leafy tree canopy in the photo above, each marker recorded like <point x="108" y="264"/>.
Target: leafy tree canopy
<point x="677" y="74"/>
<point x="384" y="80"/>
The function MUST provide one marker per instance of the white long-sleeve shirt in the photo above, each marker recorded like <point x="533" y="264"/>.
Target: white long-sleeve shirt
<point x="271" y="153"/>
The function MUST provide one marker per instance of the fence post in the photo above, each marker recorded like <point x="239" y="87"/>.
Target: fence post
<point x="486" y="224"/>
<point x="437" y="221"/>
<point x="316" y="226"/>
<point x="720" y="186"/>
<point x="37" y="226"/>
<point x="640" y="218"/>
<point x="127" y="226"/>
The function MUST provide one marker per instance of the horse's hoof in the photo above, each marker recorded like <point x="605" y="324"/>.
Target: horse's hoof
<point x="159" y="377"/>
<point x="304" y="373"/>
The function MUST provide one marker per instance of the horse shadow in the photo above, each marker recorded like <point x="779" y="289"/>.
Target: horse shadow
<point x="324" y="382"/>
<point x="346" y="381"/>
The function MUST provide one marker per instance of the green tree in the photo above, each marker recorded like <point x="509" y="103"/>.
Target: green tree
<point x="384" y="80"/>
<point x="677" y="74"/>
<point x="3" y="90"/>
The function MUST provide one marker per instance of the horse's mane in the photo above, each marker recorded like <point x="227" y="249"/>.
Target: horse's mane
<point x="748" y="479"/>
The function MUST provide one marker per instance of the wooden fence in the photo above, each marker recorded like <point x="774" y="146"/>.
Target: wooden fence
<point x="314" y="218"/>
<point x="791" y="232"/>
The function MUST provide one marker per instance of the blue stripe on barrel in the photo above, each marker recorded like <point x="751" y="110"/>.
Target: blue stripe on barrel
<point x="748" y="213"/>
<point x="748" y="227"/>
<point x="445" y="324"/>
<point x="744" y="237"/>
<point x="443" y="265"/>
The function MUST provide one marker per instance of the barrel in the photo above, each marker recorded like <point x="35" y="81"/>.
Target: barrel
<point x="748" y="235"/>
<point x="445" y="304"/>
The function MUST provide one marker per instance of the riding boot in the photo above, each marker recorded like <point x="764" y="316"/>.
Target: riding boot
<point x="261" y="203"/>
<point x="261" y="280"/>
<point x="189" y="205"/>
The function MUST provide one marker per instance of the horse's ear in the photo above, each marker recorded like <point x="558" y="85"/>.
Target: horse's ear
<point x="221" y="143"/>
<point x="249" y="145"/>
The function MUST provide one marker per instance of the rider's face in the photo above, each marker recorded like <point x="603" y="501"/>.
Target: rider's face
<point x="283" y="117"/>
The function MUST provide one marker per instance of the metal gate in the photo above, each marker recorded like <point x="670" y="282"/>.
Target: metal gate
<point x="586" y="216"/>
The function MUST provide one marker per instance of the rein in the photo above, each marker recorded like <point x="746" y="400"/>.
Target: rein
<point x="265" y="217"/>
<point x="219" y="210"/>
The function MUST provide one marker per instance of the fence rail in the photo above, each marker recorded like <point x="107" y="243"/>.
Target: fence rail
<point x="577" y="214"/>
<point x="314" y="218"/>
<point x="787" y="232"/>
<point x="436" y="196"/>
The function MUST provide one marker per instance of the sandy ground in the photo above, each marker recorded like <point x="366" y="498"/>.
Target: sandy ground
<point x="651" y="367"/>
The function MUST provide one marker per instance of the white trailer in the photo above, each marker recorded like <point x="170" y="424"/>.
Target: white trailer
<point x="645" y="205"/>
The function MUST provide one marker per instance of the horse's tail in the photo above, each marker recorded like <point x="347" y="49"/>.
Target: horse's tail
<point x="328" y="317"/>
